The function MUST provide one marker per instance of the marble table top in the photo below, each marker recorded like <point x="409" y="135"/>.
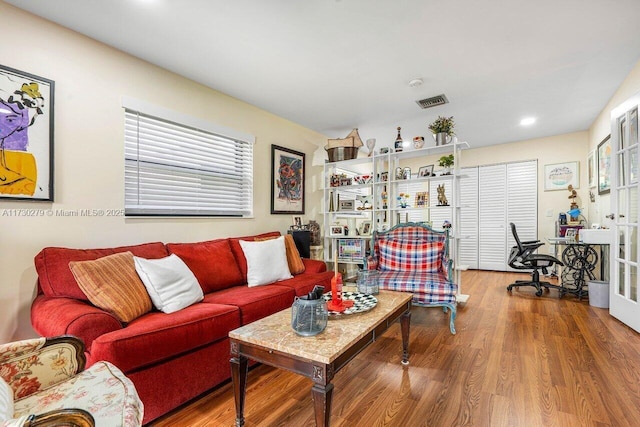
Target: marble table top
<point x="275" y="332"/>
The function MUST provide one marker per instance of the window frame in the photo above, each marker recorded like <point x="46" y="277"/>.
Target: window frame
<point x="188" y="124"/>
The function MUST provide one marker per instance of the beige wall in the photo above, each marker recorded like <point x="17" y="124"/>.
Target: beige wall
<point x="555" y="149"/>
<point x="91" y="79"/>
<point x="601" y="127"/>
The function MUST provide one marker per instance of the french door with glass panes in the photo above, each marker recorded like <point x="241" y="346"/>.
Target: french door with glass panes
<point x="625" y="193"/>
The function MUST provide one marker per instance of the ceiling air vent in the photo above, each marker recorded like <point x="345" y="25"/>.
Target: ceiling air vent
<point x="434" y="101"/>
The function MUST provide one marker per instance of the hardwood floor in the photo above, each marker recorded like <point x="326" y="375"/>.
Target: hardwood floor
<point x="516" y="360"/>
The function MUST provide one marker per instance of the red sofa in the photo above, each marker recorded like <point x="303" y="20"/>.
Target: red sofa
<point x="171" y="358"/>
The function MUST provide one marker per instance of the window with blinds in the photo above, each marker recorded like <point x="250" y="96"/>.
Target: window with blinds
<point x="175" y="169"/>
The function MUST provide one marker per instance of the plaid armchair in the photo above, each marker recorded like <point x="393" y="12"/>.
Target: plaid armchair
<point x="43" y="383"/>
<point x="414" y="258"/>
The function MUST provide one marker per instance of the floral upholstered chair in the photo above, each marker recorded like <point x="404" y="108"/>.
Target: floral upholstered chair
<point x="414" y="258"/>
<point x="43" y="383"/>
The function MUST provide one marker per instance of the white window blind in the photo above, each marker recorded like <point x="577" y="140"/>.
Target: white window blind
<point x="173" y="169"/>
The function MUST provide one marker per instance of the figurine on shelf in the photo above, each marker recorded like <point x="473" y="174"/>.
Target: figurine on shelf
<point x="442" y="199"/>
<point x="574" y="205"/>
<point x="366" y="201"/>
<point x="406" y="173"/>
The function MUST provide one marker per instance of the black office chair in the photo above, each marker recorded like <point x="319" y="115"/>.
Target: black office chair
<point x="523" y="257"/>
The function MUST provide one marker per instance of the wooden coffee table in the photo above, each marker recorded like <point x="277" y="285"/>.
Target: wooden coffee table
<point x="272" y="341"/>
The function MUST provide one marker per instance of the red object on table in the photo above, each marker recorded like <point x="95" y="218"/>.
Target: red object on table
<point x="337" y="303"/>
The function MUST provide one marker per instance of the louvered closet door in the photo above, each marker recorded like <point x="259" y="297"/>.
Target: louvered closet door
<point x="522" y="201"/>
<point x="492" y="216"/>
<point x="468" y="244"/>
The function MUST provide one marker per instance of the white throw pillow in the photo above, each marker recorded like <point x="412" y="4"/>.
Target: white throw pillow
<point x="266" y="261"/>
<point x="169" y="282"/>
<point x="6" y="401"/>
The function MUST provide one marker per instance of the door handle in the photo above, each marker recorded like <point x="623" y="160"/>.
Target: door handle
<point x="611" y="216"/>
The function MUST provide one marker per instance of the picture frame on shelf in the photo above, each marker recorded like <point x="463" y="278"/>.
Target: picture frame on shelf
<point x="26" y="148"/>
<point x="345" y="181"/>
<point x="384" y="176"/>
<point x="422" y="199"/>
<point x="297" y="222"/>
<point x="347" y="206"/>
<point x="604" y="166"/>
<point x="559" y="176"/>
<point x="336" y="230"/>
<point x="425" y="171"/>
<point x="365" y="228"/>
<point x="287" y="180"/>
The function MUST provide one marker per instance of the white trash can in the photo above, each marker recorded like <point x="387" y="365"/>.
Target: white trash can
<point x="598" y="293"/>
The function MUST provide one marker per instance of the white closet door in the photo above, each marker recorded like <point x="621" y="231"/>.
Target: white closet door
<point x="522" y="201"/>
<point x="492" y="213"/>
<point x="468" y="243"/>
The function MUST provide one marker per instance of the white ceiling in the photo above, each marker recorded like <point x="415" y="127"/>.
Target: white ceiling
<point x="332" y="65"/>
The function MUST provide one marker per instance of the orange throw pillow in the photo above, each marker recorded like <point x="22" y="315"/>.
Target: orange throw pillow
<point x="296" y="266"/>
<point x="112" y="284"/>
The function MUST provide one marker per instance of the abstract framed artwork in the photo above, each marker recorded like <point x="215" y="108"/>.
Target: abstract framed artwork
<point x="604" y="166"/>
<point x="26" y="136"/>
<point x="287" y="181"/>
<point x="559" y="176"/>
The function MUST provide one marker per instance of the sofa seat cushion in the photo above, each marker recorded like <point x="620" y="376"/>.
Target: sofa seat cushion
<point x="302" y="284"/>
<point x="212" y="262"/>
<point x="427" y="288"/>
<point x="255" y="302"/>
<point x="55" y="277"/>
<point x="157" y="336"/>
<point x="102" y="390"/>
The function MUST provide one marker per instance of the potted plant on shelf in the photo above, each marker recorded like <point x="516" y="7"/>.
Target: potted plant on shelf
<point x="442" y="129"/>
<point x="446" y="162"/>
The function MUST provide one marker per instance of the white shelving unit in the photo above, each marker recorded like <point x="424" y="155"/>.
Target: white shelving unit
<point x="383" y="168"/>
<point x="333" y="214"/>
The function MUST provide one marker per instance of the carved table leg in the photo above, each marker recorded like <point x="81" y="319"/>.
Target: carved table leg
<point x="322" y="403"/>
<point x="239" y="368"/>
<point x="405" y="320"/>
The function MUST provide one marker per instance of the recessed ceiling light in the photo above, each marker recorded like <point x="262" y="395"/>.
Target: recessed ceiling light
<point x="527" y="121"/>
